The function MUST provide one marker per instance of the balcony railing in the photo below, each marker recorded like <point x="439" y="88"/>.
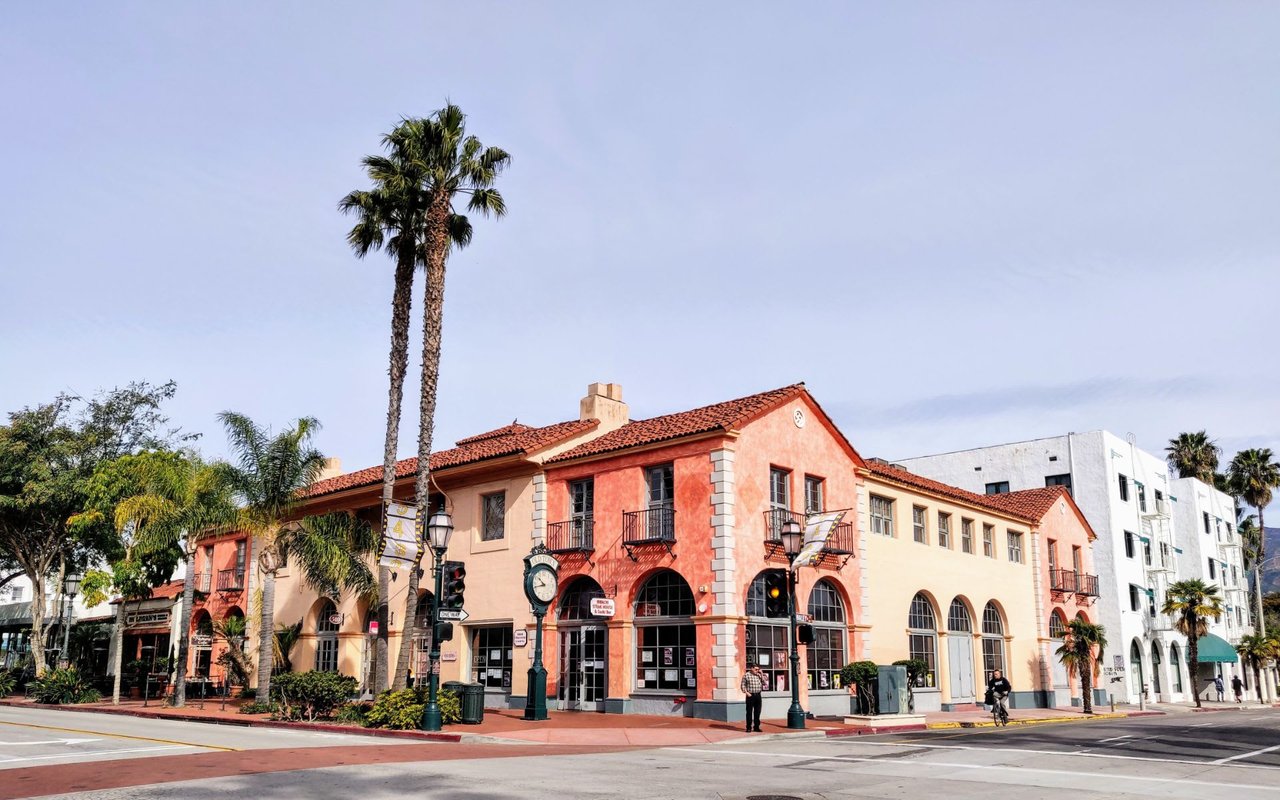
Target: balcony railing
<point x="203" y="581"/>
<point x="775" y="518"/>
<point x="1086" y="585"/>
<point x="655" y="525"/>
<point x="230" y="580"/>
<point x="571" y="536"/>
<point x="841" y="541"/>
<point x="1063" y="580"/>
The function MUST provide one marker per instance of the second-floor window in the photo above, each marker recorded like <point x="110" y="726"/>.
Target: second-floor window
<point x="493" y="516"/>
<point x="881" y="515"/>
<point x="989" y="541"/>
<point x="1213" y="569"/>
<point x="919" y="527"/>
<point x="1142" y="497"/>
<point x="1124" y="488"/>
<point x="1053" y="554"/>
<point x="661" y="483"/>
<point x="966" y="536"/>
<point x="814" y="502"/>
<point x="1076" y="563"/>
<point x="1128" y="544"/>
<point x="944" y="530"/>
<point x="779" y="489"/>
<point x="582" y="498"/>
<point x="1135" y="598"/>
<point x="240" y="558"/>
<point x="1015" y="546"/>
<point x="1206" y="522"/>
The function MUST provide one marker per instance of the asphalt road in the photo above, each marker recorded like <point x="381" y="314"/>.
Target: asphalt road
<point x="1221" y="756"/>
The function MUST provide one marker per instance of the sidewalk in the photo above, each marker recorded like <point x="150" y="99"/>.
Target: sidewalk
<point x="1028" y="716"/>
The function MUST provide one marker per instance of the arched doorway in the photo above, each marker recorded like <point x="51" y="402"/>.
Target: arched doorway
<point x="327" y="623"/>
<point x="993" y="642"/>
<point x="1155" y="667"/>
<point x="1061" y="680"/>
<point x="960" y="652"/>
<point x="202" y="643"/>
<point x="1137" y="678"/>
<point x="1175" y="666"/>
<point x="666" y="639"/>
<point x="584" y="648"/>
<point x="922" y="639"/>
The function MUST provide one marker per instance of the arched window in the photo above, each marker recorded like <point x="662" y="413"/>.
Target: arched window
<point x="575" y="600"/>
<point x="1155" y="667"/>
<point x="327" y="623"/>
<point x="422" y="616"/>
<point x="993" y="641"/>
<point x="1175" y="665"/>
<point x="958" y="618"/>
<point x="1057" y="625"/>
<point x="826" y="654"/>
<point x="922" y="638"/>
<point x="666" y="639"/>
<point x="768" y="637"/>
<point x="1136" y="677"/>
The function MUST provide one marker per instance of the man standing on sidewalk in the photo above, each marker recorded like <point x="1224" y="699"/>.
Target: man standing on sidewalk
<point x="1237" y="686"/>
<point x="753" y="688"/>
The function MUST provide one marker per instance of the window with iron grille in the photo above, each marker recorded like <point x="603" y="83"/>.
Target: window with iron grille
<point x="922" y="639"/>
<point x="881" y="515"/>
<point x="779" y="488"/>
<point x="989" y="541"/>
<point x="1015" y="546"/>
<point x="944" y="530"/>
<point x="495" y="516"/>
<point x="491" y="656"/>
<point x="814" y="502"/>
<point x="919" y="526"/>
<point x="966" y="535"/>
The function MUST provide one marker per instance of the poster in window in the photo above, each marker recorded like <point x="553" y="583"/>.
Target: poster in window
<point x="647" y="656"/>
<point x="506" y="679"/>
<point x="836" y="682"/>
<point x="495" y="655"/>
<point x="779" y="657"/>
<point x="689" y="657"/>
<point x="651" y="675"/>
<point x="640" y="684"/>
<point x="780" y="682"/>
<point x="763" y="659"/>
<point x="668" y="656"/>
<point x="822" y="680"/>
<point x="670" y="675"/>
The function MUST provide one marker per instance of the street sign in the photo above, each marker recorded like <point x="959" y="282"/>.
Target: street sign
<point x="602" y="607"/>
<point x="521" y="638"/>
<point x="452" y="614"/>
<point x="373" y="627"/>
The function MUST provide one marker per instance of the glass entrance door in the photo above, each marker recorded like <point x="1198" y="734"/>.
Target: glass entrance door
<point x="583" y="656"/>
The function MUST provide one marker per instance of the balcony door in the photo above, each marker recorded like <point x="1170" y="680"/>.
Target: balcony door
<point x="661" y="487"/>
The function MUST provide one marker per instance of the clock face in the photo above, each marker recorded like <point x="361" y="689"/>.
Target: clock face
<point x="544" y="585"/>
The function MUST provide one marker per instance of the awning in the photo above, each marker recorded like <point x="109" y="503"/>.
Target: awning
<point x="1214" y="650"/>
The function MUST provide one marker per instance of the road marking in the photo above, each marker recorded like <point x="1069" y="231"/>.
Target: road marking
<point x="1250" y="754"/>
<point x="79" y="754"/>
<point x="117" y="735"/>
<point x="993" y="767"/>
<point x="1074" y="753"/>
<point x="1116" y="738"/>
<point x="51" y="741"/>
<point x="1203" y="725"/>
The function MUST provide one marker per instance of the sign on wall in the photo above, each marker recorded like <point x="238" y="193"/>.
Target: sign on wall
<point x="520" y="638"/>
<point x="140" y="618"/>
<point x="604" y="607"/>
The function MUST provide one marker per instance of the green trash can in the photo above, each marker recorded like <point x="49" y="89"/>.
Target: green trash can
<point x="473" y="703"/>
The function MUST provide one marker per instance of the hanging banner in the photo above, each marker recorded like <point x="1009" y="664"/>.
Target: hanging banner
<point x="399" y="537"/>
<point x="817" y="530"/>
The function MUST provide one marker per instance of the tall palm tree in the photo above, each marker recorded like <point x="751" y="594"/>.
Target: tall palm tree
<point x="1192" y="603"/>
<point x="1253" y="474"/>
<point x="182" y="497"/>
<point x="1256" y="652"/>
<point x="1194" y="455"/>
<point x="456" y="164"/>
<point x="391" y="217"/>
<point x="1082" y="648"/>
<point x="267" y="478"/>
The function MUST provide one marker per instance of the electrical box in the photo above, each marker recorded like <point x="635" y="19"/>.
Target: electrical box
<point x="891" y="694"/>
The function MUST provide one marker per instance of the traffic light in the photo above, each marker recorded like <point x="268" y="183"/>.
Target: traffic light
<point x="775" y="594"/>
<point x="444" y="632"/>
<point x="455" y="574"/>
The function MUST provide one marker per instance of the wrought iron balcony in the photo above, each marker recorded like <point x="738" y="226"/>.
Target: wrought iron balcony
<point x="204" y="580"/>
<point x="840" y="542"/>
<point x="1086" y="585"/>
<point x="230" y="580"/>
<point x="655" y="525"/>
<point x="1063" y="580"/>
<point x="775" y="518"/>
<point x="571" y="536"/>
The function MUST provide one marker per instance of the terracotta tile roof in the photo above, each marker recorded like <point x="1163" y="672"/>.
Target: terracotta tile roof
<point x="1033" y="503"/>
<point x="513" y="439"/>
<point x="168" y="590"/>
<point x="882" y="469"/>
<point x="721" y="416"/>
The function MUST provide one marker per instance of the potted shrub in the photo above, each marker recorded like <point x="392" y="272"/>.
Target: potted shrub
<point x="860" y="677"/>
<point x="135" y="675"/>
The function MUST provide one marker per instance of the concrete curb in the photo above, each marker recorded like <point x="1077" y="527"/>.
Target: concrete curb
<point x="1042" y="720"/>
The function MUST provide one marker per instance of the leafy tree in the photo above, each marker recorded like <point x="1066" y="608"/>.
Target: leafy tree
<point x="453" y="164"/>
<point x="235" y="660"/>
<point x="1192" y="603"/>
<point x="48" y="456"/>
<point x="1082" y="648"/>
<point x="1256" y="652"/>
<point x="1194" y="455"/>
<point x="1252" y="475"/>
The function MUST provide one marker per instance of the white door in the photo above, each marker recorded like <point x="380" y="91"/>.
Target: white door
<point x="960" y="663"/>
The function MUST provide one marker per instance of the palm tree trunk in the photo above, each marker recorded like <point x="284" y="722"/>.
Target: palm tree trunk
<point x="1086" y="685"/>
<point x="117" y="637"/>
<point x="405" y="654"/>
<point x="266" y="629"/>
<point x="401" y="307"/>
<point x="184" y="622"/>
<point x="437" y="247"/>
<point x="1193" y="649"/>
<point x="1257" y="681"/>
<point x="1257" y="572"/>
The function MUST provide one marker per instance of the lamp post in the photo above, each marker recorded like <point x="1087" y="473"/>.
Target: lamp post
<point x="1257" y="590"/>
<point x="792" y="540"/>
<point x="70" y="586"/>
<point x="439" y="529"/>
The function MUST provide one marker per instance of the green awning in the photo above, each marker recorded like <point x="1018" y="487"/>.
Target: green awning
<point x="1214" y="650"/>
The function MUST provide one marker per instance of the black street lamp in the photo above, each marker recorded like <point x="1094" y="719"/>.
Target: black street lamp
<point x="70" y="586"/>
<point x="439" y="529"/>
<point x="792" y="536"/>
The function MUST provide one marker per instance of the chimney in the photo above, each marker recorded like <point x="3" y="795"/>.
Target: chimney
<point x="332" y="468"/>
<point x="604" y="402"/>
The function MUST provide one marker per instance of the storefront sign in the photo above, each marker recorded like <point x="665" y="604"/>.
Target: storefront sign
<point x="141" y="618"/>
<point x="201" y="640"/>
<point x="373" y="627"/>
<point x="448" y="656"/>
<point x="603" y="607"/>
<point x="520" y="638"/>
<point x="648" y="610"/>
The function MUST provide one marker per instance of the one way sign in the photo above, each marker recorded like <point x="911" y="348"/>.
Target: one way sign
<point x="452" y="614"/>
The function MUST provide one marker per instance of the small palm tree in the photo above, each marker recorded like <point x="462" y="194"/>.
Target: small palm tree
<point x="1082" y="648"/>
<point x="455" y="164"/>
<point x="268" y="478"/>
<point x="1194" y="455"/>
<point x="1257" y="652"/>
<point x="286" y="637"/>
<point x="239" y="666"/>
<point x="1193" y="603"/>
<point x="1252" y="475"/>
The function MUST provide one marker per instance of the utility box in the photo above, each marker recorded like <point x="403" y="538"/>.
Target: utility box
<point x="891" y="691"/>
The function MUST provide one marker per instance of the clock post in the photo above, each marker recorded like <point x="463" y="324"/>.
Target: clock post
<point x="541" y="577"/>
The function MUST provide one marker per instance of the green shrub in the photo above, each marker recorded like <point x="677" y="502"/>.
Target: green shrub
<point x="8" y="682"/>
<point x="353" y="713"/>
<point x="916" y="668"/>
<point x="402" y="710"/>
<point x="311" y="695"/>
<point x="63" y="687"/>
<point x="861" y="674"/>
<point x="258" y="708"/>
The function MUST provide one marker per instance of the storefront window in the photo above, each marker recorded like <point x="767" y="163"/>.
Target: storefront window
<point x="666" y="640"/>
<point x="993" y="641"/>
<point x="327" y="623"/>
<point x="827" y="653"/>
<point x="922" y="639"/>
<point x="491" y="657"/>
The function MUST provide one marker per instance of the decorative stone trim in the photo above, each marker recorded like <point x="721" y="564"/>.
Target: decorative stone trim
<point x="540" y="507"/>
<point x="724" y="650"/>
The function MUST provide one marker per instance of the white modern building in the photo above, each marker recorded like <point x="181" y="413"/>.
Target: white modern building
<point x="1141" y="515"/>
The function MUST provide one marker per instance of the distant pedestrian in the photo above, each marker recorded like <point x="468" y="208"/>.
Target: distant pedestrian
<point x="1237" y="686"/>
<point x="753" y="688"/>
<point x="1221" y="690"/>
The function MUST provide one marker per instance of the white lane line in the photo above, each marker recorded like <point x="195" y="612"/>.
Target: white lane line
<point x="992" y="767"/>
<point x="51" y="741"/>
<point x="1250" y="754"/>
<point x="1116" y="738"/>
<point x="86" y="754"/>
<point x="1202" y="725"/>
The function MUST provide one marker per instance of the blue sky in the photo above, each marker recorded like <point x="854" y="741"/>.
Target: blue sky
<point x="960" y="224"/>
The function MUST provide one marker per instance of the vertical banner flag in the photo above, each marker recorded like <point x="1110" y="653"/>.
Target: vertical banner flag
<point x="399" y="537"/>
<point x="817" y="529"/>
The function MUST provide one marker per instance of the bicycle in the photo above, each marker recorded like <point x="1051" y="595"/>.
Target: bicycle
<point x="999" y="715"/>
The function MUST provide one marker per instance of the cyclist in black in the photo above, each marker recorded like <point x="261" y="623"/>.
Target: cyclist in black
<point x="998" y="689"/>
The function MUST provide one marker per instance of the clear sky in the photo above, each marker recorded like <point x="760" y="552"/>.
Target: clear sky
<point x="959" y="223"/>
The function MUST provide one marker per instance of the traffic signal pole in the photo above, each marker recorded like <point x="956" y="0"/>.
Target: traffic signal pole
<point x="432" y="719"/>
